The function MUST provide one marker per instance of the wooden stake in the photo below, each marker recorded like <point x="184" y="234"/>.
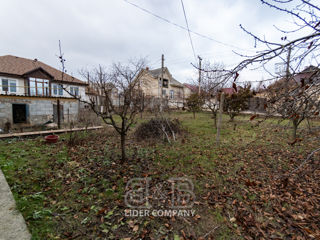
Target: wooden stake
<point x="220" y="118"/>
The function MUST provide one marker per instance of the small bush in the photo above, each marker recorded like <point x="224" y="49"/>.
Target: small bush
<point x="157" y="127"/>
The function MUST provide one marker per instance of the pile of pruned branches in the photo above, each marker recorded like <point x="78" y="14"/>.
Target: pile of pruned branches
<point x="159" y="127"/>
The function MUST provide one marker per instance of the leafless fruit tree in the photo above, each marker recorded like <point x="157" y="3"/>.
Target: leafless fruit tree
<point x="119" y="99"/>
<point x="213" y="79"/>
<point x="298" y="97"/>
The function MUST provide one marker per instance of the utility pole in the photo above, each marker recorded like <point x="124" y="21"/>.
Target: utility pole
<point x="288" y="68"/>
<point x="62" y="60"/>
<point x="200" y="59"/>
<point x="161" y="82"/>
<point x="294" y="120"/>
<point x="286" y="85"/>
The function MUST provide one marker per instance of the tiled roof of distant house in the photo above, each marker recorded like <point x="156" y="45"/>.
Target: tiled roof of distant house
<point x="192" y="87"/>
<point x="228" y="90"/>
<point x="18" y="66"/>
<point x="309" y="74"/>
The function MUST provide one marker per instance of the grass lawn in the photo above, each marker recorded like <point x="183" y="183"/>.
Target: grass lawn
<point x="76" y="191"/>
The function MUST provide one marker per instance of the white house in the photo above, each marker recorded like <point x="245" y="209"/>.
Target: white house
<point x="31" y="91"/>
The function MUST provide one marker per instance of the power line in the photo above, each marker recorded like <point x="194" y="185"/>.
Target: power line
<point x="179" y="26"/>
<point x="185" y="18"/>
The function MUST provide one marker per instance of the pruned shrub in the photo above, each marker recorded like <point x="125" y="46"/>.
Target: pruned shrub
<point x="158" y="127"/>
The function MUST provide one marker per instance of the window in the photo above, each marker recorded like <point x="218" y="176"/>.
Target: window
<point x="57" y="89"/>
<point x="164" y="92"/>
<point x="60" y="89"/>
<point x="74" y="91"/>
<point x="39" y="87"/>
<point x="5" y="85"/>
<point x="54" y="89"/>
<point x="13" y="86"/>
<point x="171" y="94"/>
<point x="165" y="83"/>
<point x="9" y="85"/>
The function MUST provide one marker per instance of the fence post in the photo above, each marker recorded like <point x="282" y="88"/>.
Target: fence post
<point x="58" y="113"/>
<point x="220" y="118"/>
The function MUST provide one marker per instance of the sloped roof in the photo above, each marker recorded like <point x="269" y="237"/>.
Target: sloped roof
<point x="157" y="73"/>
<point x="192" y="87"/>
<point x="20" y="66"/>
<point x="310" y="73"/>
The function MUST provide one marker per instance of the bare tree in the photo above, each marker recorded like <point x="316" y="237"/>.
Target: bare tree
<point x="296" y="101"/>
<point x="120" y="98"/>
<point x="304" y="38"/>
<point x="293" y="98"/>
<point x="296" y="48"/>
<point x="213" y="79"/>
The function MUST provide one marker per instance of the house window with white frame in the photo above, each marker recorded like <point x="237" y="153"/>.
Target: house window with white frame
<point x="74" y="91"/>
<point x="9" y="85"/>
<point x="171" y="94"/>
<point x="39" y="87"/>
<point x="57" y="89"/>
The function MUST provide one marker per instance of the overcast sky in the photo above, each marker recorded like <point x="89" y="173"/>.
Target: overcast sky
<point x="105" y="31"/>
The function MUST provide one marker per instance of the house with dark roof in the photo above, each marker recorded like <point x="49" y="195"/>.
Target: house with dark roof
<point x="168" y="88"/>
<point x="33" y="93"/>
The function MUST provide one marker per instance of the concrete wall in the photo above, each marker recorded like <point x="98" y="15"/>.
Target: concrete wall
<point x="187" y="92"/>
<point x="39" y="110"/>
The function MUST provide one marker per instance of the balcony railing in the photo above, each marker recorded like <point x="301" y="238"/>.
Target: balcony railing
<point x="32" y="91"/>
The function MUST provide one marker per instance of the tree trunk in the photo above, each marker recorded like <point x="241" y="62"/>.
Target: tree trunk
<point x="214" y="116"/>
<point x="123" y="147"/>
<point x="309" y="125"/>
<point x="194" y="115"/>
<point x="294" y="129"/>
<point x="231" y="117"/>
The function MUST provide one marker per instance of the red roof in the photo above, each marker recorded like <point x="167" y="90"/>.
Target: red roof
<point x="192" y="87"/>
<point x="228" y="91"/>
